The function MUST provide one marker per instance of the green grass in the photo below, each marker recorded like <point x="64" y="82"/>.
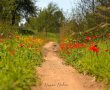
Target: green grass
<point x="49" y="36"/>
<point x="18" y="61"/>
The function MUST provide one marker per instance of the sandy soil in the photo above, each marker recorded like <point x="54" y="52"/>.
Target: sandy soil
<point x="55" y="75"/>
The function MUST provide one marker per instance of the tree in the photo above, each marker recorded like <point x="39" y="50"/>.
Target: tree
<point x="17" y="8"/>
<point x="48" y="19"/>
<point x="103" y="11"/>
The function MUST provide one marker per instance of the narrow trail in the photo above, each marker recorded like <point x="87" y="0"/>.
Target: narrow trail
<point x="57" y="76"/>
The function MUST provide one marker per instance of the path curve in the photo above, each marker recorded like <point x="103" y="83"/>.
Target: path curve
<point x="57" y="76"/>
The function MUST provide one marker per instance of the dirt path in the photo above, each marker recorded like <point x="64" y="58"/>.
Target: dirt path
<point x="57" y="76"/>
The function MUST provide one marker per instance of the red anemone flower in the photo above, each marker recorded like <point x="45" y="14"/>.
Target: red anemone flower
<point x="78" y="45"/>
<point x="92" y="43"/>
<point x="21" y="45"/>
<point x="88" y="38"/>
<point x="94" y="48"/>
<point x="108" y="35"/>
<point x="63" y="46"/>
<point x="94" y="37"/>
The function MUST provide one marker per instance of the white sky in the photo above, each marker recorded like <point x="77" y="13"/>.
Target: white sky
<point x="66" y="5"/>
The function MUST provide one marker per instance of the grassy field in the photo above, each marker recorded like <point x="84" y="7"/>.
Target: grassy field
<point x="19" y="56"/>
<point x="89" y="57"/>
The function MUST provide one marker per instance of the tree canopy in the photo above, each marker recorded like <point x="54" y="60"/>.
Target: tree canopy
<point x="13" y="10"/>
<point x="48" y="19"/>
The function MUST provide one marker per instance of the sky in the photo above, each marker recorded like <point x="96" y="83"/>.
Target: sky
<point x="66" y="5"/>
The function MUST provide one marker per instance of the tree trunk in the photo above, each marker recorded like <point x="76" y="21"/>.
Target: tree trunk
<point x="13" y="17"/>
<point x="93" y="6"/>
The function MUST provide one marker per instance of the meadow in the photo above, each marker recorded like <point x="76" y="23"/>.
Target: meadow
<point x="19" y="57"/>
<point x="83" y="34"/>
<point x="90" y="56"/>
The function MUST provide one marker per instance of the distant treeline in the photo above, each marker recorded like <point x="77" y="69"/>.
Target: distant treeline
<point x="86" y="16"/>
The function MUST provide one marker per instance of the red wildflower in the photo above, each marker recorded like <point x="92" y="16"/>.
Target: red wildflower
<point x="92" y="43"/>
<point x="78" y="45"/>
<point x="94" y="49"/>
<point x="1" y="40"/>
<point x="18" y="37"/>
<point x="87" y="32"/>
<point x="108" y="35"/>
<point x="70" y="46"/>
<point x="21" y="45"/>
<point x="88" y="38"/>
<point x="94" y="37"/>
<point x="63" y="46"/>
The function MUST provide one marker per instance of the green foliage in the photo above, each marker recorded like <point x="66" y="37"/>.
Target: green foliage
<point x="12" y="10"/>
<point x="5" y="29"/>
<point x="49" y="36"/>
<point x="48" y="19"/>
